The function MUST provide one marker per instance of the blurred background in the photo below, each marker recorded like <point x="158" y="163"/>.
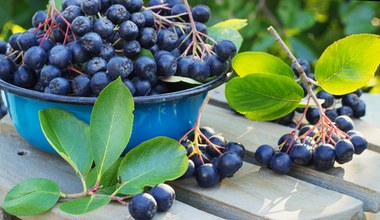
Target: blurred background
<point x="308" y="26"/>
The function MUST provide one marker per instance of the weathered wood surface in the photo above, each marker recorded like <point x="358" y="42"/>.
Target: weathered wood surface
<point x="359" y="178"/>
<point x="256" y="193"/>
<point x="20" y="161"/>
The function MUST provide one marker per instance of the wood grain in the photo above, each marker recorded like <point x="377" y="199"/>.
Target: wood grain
<point x="359" y="178"/>
<point x="20" y="161"/>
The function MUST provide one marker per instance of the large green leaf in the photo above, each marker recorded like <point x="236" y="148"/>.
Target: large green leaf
<point x="152" y="162"/>
<point x="236" y="24"/>
<point x="31" y="197"/>
<point x="84" y="205"/>
<point x="222" y="33"/>
<point x="348" y="64"/>
<point x="111" y="124"/>
<point x="259" y="62"/>
<point x="69" y="136"/>
<point x="263" y="96"/>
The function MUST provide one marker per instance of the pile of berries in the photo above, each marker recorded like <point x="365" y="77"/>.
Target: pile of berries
<point x="146" y="205"/>
<point x="318" y="145"/>
<point x="79" y="50"/>
<point x="211" y="157"/>
<point x="334" y="105"/>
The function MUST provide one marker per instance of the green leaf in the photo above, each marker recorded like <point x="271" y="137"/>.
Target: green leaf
<point x="348" y="64"/>
<point x="31" y="197"/>
<point x="111" y="124"/>
<point x="176" y="79"/>
<point x="295" y="18"/>
<point x="236" y="24"/>
<point x="109" y="177"/>
<point x="222" y="33"/>
<point x="263" y="96"/>
<point x="154" y="161"/>
<point x="69" y="136"/>
<point x="84" y="205"/>
<point x="144" y="52"/>
<point x="259" y="62"/>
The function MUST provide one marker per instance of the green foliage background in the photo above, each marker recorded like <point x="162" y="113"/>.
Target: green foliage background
<point x="308" y="26"/>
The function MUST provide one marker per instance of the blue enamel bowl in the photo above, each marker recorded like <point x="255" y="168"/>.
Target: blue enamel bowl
<point x="170" y="114"/>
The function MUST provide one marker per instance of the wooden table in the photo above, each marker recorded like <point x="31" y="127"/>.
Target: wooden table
<point x="350" y="191"/>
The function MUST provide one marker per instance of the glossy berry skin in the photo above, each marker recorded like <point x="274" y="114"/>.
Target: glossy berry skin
<point x="131" y="5"/>
<point x="139" y="19"/>
<point x="96" y="64"/>
<point x="142" y="86"/>
<point x="217" y="140"/>
<point x="39" y="18"/>
<point x="25" y="77"/>
<point x="329" y="99"/>
<point x="98" y="82"/>
<point x="107" y="52"/>
<point x="67" y="3"/>
<point x="3" y="47"/>
<point x="180" y="9"/>
<point x="312" y="115"/>
<point x="26" y="40"/>
<point x="324" y="157"/>
<point x="306" y="129"/>
<point x="286" y="119"/>
<point x="129" y="84"/>
<point x="91" y="7"/>
<point x="344" y="150"/>
<point x="60" y="56"/>
<point x="190" y="170"/>
<point x="359" y="109"/>
<point x="285" y="140"/>
<point x="183" y="66"/>
<point x="197" y="161"/>
<point x="201" y="13"/>
<point x="117" y="14"/>
<point x="48" y="73"/>
<point x="142" y="206"/>
<point x="225" y="50"/>
<point x="236" y="148"/>
<point x="132" y="49"/>
<point x="164" y="196"/>
<point x="360" y="143"/>
<point x="59" y="86"/>
<point x="79" y="55"/>
<point x="344" y="123"/>
<point x="70" y="13"/>
<point x="200" y="70"/>
<point x="228" y="164"/>
<point x="148" y="37"/>
<point x="81" y="25"/>
<point x="167" y="40"/>
<point x="35" y="57"/>
<point x="145" y="67"/>
<point x="217" y="67"/>
<point x="350" y="100"/>
<point x="281" y="163"/>
<point x="207" y="131"/>
<point x="7" y="67"/>
<point x="128" y="31"/>
<point x="92" y="42"/>
<point x="119" y="66"/>
<point x="81" y="86"/>
<point x="166" y="65"/>
<point x="13" y="41"/>
<point x="46" y="43"/>
<point x="301" y="154"/>
<point x="105" y="5"/>
<point x="207" y="175"/>
<point x="345" y="110"/>
<point x="331" y="114"/>
<point x="264" y="154"/>
<point x="104" y="27"/>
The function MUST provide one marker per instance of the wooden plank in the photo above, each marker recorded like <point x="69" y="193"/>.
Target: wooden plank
<point x="359" y="178"/>
<point x="257" y="193"/>
<point x="369" y="125"/>
<point x="20" y="161"/>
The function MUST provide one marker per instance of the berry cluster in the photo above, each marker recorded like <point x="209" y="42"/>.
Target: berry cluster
<point x="211" y="157"/>
<point x="145" y="205"/>
<point x="349" y="104"/>
<point x="79" y="50"/>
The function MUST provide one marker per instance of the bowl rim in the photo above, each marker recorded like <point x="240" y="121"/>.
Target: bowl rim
<point x="29" y="93"/>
